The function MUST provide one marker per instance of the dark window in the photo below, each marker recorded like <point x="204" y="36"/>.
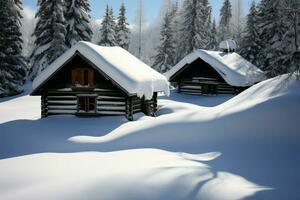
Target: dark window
<point x="82" y="77"/>
<point x="86" y="104"/>
<point x="86" y="77"/>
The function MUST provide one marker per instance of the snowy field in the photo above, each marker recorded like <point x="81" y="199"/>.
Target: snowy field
<point x="210" y="148"/>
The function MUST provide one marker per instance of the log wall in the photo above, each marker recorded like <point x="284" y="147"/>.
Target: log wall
<point x="206" y="86"/>
<point x="108" y="103"/>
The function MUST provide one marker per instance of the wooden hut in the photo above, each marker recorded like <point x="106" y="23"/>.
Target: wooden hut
<point x="89" y="80"/>
<point x="214" y="72"/>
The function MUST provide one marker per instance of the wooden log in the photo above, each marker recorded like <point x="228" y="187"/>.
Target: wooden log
<point x="111" y="103"/>
<point x="129" y="109"/>
<point x="111" y="113"/>
<point x="44" y="106"/>
<point x="123" y="108"/>
<point x="61" y="112"/>
<point x="155" y="102"/>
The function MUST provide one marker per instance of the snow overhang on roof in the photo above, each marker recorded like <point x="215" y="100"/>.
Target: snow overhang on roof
<point x="234" y="69"/>
<point x="118" y="64"/>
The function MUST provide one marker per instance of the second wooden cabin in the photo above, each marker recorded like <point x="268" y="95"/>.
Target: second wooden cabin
<point x="90" y="80"/>
<point x="214" y="72"/>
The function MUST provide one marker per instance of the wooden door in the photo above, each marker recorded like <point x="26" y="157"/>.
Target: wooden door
<point x="86" y="104"/>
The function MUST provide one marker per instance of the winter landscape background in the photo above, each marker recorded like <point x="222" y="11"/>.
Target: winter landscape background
<point x="264" y="31"/>
<point x="221" y="147"/>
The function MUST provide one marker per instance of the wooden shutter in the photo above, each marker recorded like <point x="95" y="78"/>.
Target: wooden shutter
<point x="77" y="77"/>
<point x="91" y="77"/>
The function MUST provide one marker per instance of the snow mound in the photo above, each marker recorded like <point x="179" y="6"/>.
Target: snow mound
<point x="285" y="86"/>
<point x="247" y="147"/>
<point x="132" y="74"/>
<point x="235" y="70"/>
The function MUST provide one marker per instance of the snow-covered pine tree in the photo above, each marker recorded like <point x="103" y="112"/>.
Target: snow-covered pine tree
<point x="194" y="26"/>
<point x="275" y="34"/>
<point x="205" y="18"/>
<point x="50" y="33"/>
<point x="175" y="26"/>
<point x="19" y="7"/>
<point x="78" y="21"/>
<point x="164" y="59"/>
<point x="251" y="42"/>
<point x="225" y="30"/>
<point x="12" y="64"/>
<point x="122" y="34"/>
<point x="108" y="29"/>
<point x="213" y="45"/>
<point x="294" y="18"/>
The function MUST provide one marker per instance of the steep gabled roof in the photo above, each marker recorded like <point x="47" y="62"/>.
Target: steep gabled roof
<point x="118" y="64"/>
<point x="234" y="69"/>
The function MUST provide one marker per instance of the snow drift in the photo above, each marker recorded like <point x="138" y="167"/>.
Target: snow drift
<point x="247" y="147"/>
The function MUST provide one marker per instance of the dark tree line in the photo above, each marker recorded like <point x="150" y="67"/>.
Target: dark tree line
<point x="13" y="68"/>
<point x="269" y="39"/>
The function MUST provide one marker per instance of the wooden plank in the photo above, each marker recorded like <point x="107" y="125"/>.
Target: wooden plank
<point x="110" y="97"/>
<point x="137" y="110"/>
<point x="111" y="113"/>
<point x="61" y="97"/>
<point x="62" y="102"/>
<point x="67" y="107"/>
<point x="129" y="109"/>
<point x="191" y="87"/>
<point x="196" y="91"/>
<point x="61" y="111"/>
<point x="137" y="106"/>
<point x="110" y="103"/>
<point x="192" y="93"/>
<point x="111" y="108"/>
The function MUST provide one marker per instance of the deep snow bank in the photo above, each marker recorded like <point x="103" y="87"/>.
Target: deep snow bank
<point x="255" y="137"/>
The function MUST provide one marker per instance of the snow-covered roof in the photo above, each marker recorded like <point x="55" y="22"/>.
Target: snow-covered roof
<point x="234" y="69"/>
<point x="129" y="72"/>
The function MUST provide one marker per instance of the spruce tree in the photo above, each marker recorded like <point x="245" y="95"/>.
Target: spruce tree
<point x="175" y="26"/>
<point x="50" y="33"/>
<point x="194" y="26"/>
<point x="164" y="59"/>
<point x="251" y="42"/>
<point x="275" y="34"/>
<point x="213" y="45"/>
<point x="122" y="35"/>
<point x="12" y="63"/>
<point x="225" y="31"/>
<point x="205" y="30"/>
<point x="78" y="21"/>
<point x="108" y="29"/>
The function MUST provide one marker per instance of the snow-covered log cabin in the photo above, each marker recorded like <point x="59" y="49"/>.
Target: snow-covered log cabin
<point x="214" y="72"/>
<point x="91" y="80"/>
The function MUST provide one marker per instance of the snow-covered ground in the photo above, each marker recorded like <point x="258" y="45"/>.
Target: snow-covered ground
<point x="207" y="148"/>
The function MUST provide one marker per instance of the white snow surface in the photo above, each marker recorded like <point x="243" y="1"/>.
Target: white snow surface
<point x="198" y="147"/>
<point x="129" y="72"/>
<point x="234" y="69"/>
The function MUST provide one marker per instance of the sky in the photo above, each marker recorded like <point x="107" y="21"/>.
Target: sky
<point x="152" y="7"/>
